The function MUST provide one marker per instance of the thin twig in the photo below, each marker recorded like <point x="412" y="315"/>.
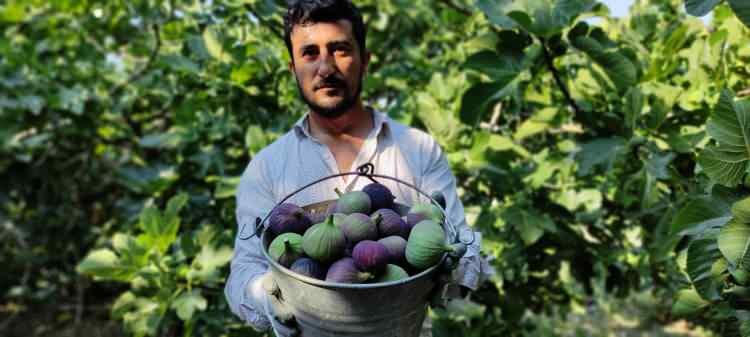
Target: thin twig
<point x="551" y="66"/>
<point x="456" y="7"/>
<point x="265" y="22"/>
<point x="744" y="93"/>
<point x="151" y="58"/>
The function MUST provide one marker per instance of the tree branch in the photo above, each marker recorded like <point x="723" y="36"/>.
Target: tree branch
<point x="151" y="58"/>
<point x="265" y="22"/>
<point x="551" y="66"/>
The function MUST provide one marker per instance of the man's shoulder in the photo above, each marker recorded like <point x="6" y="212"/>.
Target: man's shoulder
<point x="409" y="134"/>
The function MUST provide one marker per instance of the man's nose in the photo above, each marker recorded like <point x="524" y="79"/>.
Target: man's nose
<point x="327" y="65"/>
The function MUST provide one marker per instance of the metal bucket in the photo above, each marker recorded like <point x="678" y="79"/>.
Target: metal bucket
<point x="392" y="309"/>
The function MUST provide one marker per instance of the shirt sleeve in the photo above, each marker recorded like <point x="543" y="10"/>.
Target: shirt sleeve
<point x="244" y="295"/>
<point x="472" y="268"/>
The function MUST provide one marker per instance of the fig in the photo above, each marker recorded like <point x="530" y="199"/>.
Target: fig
<point x="380" y="196"/>
<point x="309" y="267"/>
<point x="358" y="227"/>
<point x="352" y="202"/>
<point x="389" y="223"/>
<point x="345" y="271"/>
<point x="288" y="217"/>
<point x="396" y="247"/>
<point x="286" y="248"/>
<point x="324" y="242"/>
<point x="370" y="255"/>
<point x="426" y="244"/>
<point x="392" y="272"/>
<point x="423" y="211"/>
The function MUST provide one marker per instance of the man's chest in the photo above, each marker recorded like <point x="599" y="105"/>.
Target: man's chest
<point x="344" y="154"/>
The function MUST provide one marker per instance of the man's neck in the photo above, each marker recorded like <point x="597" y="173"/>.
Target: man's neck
<point x="355" y="123"/>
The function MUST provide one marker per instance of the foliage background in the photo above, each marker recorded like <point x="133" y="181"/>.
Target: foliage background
<point x="575" y="138"/>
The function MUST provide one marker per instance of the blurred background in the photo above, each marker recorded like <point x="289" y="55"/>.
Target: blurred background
<point x="598" y="146"/>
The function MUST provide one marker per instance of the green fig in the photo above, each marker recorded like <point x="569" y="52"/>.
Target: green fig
<point x="286" y="248"/>
<point x="392" y="272"/>
<point x="426" y="244"/>
<point x="352" y="202"/>
<point x="324" y="242"/>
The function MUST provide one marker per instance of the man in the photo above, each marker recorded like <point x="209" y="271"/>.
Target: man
<point x="326" y="41"/>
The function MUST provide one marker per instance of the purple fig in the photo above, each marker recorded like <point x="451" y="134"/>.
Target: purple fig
<point x="380" y="196"/>
<point x="288" y="217"/>
<point x="370" y="255"/>
<point x="389" y="223"/>
<point x="309" y="267"/>
<point x="345" y="271"/>
<point x="358" y="227"/>
<point x="396" y="247"/>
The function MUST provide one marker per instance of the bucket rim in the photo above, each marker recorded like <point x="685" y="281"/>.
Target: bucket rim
<point x="339" y="285"/>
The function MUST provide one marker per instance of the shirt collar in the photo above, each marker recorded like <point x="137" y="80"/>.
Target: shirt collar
<point x="302" y="127"/>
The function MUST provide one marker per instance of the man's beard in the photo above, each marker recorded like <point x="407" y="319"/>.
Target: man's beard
<point x="336" y="110"/>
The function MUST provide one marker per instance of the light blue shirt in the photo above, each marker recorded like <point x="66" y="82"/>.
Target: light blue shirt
<point x="297" y="159"/>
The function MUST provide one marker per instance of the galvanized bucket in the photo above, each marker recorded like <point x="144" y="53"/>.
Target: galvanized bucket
<point x="328" y="309"/>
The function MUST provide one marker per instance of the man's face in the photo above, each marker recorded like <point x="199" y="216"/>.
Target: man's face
<point x="328" y="66"/>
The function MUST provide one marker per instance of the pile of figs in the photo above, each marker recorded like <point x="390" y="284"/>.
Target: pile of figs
<point x="361" y="238"/>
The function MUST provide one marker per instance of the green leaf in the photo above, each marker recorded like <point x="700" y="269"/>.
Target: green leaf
<point x="13" y="12"/>
<point x="688" y="303"/>
<point x="502" y="143"/>
<point x="226" y="187"/>
<point x="495" y="12"/>
<point x="701" y="256"/>
<point x="599" y="152"/>
<point x="700" y="214"/>
<point x="700" y="7"/>
<point x="741" y="8"/>
<point x="101" y="263"/>
<point x="499" y="68"/>
<point x="620" y="69"/>
<point x="741" y="210"/>
<point x="734" y="243"/>
<point x="188" y="302"/>
<point x="477" y="100"/>
<point x="729" y="125"/>
<point x="214" y="47"/>
<point x="150" y="221"/>
<point x="208" y="261"/>
<point x="634" y="103"/>
<point x="529" y="225"/>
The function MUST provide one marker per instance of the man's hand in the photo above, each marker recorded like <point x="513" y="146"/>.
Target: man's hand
<point x="279" y="313"/>
<point x="446" y="287"/>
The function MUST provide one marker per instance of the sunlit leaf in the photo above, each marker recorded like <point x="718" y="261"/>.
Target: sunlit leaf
<point x="729" y="125"/>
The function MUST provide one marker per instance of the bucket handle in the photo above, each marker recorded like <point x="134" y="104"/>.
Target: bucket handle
<point x="366" y="170"/>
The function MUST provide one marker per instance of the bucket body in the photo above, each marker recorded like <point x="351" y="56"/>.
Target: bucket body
<point x="327" y="309"/>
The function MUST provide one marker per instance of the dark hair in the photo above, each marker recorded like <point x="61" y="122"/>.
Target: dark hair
<point x="311" y="11"/>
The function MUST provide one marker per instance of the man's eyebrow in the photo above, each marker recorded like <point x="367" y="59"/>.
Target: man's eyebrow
<point x="307" y="46"/>
<point x="340" y="42"/>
